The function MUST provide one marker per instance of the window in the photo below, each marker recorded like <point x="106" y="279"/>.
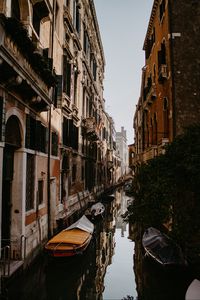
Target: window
<point x="1" y="118"/>
<point x="30" y="175"/>
<point x="67" y="3"/>
<point x="15" y="10"/>
<point x="76" y="17"/>
<point x="54" y="145"/>
<point x="155" y="129"/>
<point x="66" y="75"/>
<point x="94" y="68"/>
<point x="70" y="134"/>
<point x="86" y="44"/>
<point x="36" y="135"/>
<point x="75" y="85"/>
<point x="30" y="141"/>
<point x="74" y="173"/>
<point x="36" y="20"/>
<point x="162" y="9"/>
<point x="149" y="44"/>
<point x="40" y="11"/>
<point x="82" y="172"/>
<point x="57" y="18"/>
<point x="40" y="191"/>
<point x="165" y="117"/>
<point x="42" y="137"/>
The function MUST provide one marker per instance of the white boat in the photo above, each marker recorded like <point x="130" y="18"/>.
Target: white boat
<point x="96" y="210"/>
<point x="193" y="291"/>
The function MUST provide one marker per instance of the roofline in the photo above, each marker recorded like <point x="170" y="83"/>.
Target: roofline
<point x="149" y="28"/>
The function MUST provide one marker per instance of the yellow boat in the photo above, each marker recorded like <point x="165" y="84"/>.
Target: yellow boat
<point x="72" y="240"/>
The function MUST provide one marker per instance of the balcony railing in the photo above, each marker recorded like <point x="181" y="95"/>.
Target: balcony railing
<point x="150" y="153"/>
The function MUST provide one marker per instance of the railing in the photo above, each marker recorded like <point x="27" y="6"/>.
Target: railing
<point x="14" y="250"/>
<point x="5" y="261"/>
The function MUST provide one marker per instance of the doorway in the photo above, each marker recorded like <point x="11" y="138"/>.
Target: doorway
<point x="12" y="143"/>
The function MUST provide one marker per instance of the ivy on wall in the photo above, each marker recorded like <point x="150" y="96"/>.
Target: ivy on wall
<point x="168" y="187"/>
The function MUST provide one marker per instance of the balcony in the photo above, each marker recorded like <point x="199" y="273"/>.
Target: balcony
<point x="150" y="153"/>
<point x="16" y="41"/>
<point x="89" y="126"/>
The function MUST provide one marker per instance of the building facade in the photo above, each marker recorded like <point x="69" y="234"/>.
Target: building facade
<point x="121" y="142"/>
<point x="169" y="87"/>
<point x="53" y="121"/>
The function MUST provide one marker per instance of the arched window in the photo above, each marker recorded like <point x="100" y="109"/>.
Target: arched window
<point x="155" y="134"/>
<point x="40" y="11"/>
<point x="13" y="134"/>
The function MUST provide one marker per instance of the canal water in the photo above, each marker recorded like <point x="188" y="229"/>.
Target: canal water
<point x="103" y="272"/>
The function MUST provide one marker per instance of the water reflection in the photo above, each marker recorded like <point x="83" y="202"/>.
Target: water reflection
<point x="156" y="282"/>
<point x="82" y="277"/>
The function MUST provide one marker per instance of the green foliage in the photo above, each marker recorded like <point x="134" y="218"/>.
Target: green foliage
<point x="168" y="186"/>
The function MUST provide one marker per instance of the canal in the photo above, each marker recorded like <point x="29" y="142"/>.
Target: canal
<point x="104" y="271"/>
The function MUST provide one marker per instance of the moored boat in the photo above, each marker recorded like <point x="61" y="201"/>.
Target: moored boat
<point x="162" y="248"/>
<point x="193" y="291"/>
<point x="71" y="241"/>
<point x="95" y="211"/>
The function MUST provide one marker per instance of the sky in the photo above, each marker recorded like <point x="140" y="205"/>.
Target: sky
<point x="123" y="25"/>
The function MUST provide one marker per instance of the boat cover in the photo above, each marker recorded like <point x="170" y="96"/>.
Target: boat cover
<point x="162" y="248"/>
<point x="153" y="237"/>
<point x="84" y="224"/>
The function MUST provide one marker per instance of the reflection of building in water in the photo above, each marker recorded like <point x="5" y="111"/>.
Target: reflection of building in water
<point x="123" y="200"/>
<point x="91" y="285"/>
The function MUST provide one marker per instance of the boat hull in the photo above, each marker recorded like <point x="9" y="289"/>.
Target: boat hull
<point x="162" y="248"/>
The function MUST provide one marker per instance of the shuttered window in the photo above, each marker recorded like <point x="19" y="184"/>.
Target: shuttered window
<point x="30" y="176"/>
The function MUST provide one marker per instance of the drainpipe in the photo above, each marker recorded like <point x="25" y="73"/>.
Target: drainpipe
<point x="172" y="68"/>
<point x="49" y="132"/>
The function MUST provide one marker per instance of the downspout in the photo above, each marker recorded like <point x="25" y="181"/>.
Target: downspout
<point x="49" y="131"/>
<point x="172" y="69"/>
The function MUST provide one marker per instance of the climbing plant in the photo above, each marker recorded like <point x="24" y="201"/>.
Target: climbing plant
<point x="168" y="187"/>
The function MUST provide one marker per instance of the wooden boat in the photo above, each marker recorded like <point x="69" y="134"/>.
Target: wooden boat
<point x="72" y="240"/>
<point x="162" y="248"/>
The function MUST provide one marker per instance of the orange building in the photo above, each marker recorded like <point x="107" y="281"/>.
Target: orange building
<point x="169" y="89"/>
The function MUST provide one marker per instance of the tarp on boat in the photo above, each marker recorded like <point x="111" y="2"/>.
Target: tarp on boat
<point x="162" y="248"/>
<point x="84" y="224"/>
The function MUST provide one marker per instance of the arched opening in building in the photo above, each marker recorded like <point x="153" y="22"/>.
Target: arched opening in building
<point x="12" y="143"/>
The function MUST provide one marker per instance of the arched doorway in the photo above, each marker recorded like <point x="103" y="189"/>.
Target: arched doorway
<point x="12" y="143"/>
